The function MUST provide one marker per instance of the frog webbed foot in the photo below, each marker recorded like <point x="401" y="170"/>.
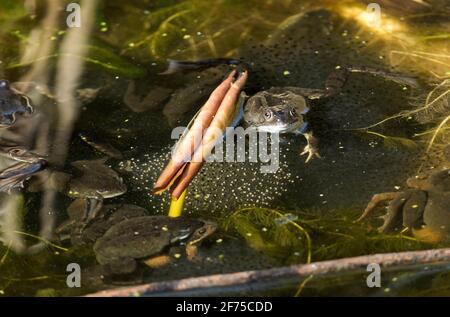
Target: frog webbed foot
<point x="192" y="253"/>
<point x="311" y="148"/>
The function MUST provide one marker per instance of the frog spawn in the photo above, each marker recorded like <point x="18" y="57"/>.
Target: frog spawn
<point x="219" y="187"/>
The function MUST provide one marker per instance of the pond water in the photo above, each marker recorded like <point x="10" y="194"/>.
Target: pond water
<point x="104" y="80"/>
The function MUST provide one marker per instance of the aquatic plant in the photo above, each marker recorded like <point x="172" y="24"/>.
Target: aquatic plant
<point x="294" y="237"/>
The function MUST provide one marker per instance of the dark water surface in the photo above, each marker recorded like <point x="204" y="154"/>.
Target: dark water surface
<point x="287" y="43"/>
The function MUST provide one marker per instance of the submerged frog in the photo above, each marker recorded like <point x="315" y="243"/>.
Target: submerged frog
<point x="96" y="183"/>
<point x="177" y="102"/>
<point x="146" y="238"/>
<point x="424" y="207"/>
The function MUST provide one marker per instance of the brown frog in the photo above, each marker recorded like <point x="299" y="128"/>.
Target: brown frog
<point x="149" y="239"/>
<point x="96" y="182"/>
<point x="424" y="207"/>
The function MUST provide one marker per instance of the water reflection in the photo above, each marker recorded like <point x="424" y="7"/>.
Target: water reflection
<point x="42" y="133"/>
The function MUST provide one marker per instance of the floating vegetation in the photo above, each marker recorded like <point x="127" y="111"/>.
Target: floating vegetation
<point x="50" y="244"/>
<point x="305" y="238"/>
<point x="263" y="230"/>
<point x="171" y="33"/>
<point x="101" y="57"/>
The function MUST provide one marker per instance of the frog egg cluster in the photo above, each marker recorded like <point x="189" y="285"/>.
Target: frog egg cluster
<point x="219" y="187"/>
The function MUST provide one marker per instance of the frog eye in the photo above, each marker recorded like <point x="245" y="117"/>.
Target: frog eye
<point x="293" y="112"/>
<point x="201" y="231"/>
<point x="268" y="115"/>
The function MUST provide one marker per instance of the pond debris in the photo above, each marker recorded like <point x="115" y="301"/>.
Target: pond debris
<point x="394" y="141"/>
<point x="5" y="255"/>
<point x="321" y="237"/>
<point x="285" y="219"/>
<point x="302" y="285"/>
<point x="45" y="241"/>
<point x="277" y="239"/>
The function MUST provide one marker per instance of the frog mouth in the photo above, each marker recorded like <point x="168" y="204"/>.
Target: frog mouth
<point x="280" y="127"/>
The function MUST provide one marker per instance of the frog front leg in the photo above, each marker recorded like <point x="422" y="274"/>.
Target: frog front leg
<point x="311" y="148"/>
<point x="94" y="206"/>
<point x="87" y="208"/>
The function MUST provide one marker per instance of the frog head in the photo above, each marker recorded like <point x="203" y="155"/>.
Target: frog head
<point x="438" y="181"/>
<point x="275" y="112"/>
<point x="205" y="230"/>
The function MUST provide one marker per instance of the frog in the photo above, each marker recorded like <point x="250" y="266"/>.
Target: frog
<point x="149" y="239"/>
<point x="26" y="164"/>
<point x="424" y="207"/>
<point x="96" y="182"/>
<point x="281" y="110"/>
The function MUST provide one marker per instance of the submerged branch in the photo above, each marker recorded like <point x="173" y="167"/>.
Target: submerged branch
<point x="198" y="285"/>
